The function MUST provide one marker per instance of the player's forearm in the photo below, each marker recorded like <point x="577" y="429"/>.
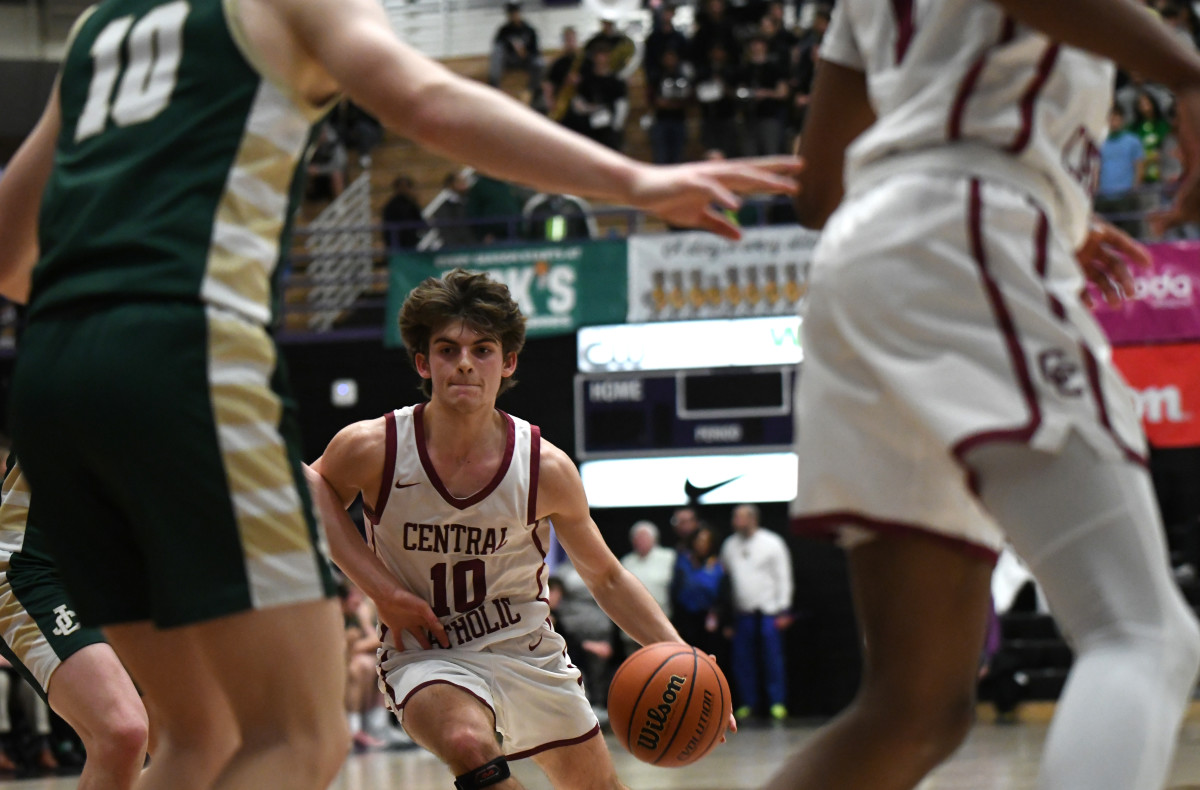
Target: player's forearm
<point x="346" y="546"/>
<point x="1122" y="30"/>
<point x="481" y="127"/>
<point x="630" y="605"/>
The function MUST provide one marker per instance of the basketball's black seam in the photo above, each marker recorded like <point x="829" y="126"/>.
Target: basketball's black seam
<point x="637" y="700"/>
<point x="681" y="713"/>
<point x="721" y="725"/>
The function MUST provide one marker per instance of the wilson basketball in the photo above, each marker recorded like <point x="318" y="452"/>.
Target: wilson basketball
<point x="669" y="704"/>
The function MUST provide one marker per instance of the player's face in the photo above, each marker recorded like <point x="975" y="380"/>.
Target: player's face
<point x="465" y="367"/>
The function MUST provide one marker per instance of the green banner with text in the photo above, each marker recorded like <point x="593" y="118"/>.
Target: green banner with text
<point x="559" y="287"/>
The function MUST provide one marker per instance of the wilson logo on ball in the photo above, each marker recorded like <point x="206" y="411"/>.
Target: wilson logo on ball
<point x="658" y="716"/>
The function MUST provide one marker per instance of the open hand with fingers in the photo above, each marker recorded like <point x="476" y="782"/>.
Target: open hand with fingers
<point x="1105" y="257"/>
<point x="697" y="194"/>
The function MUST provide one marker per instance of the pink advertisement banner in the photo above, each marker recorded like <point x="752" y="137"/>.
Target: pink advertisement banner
<point x="1166" y="301"/>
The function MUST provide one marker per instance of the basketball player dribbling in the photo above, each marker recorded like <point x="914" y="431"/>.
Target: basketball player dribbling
<point x="460" y="498"/>
<point x="156" y="196"/>
<point x="958" y="393"/>
<point x="69" y="664"/>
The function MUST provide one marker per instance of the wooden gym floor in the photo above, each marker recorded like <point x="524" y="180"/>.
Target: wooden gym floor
<point x="996" y="757"/>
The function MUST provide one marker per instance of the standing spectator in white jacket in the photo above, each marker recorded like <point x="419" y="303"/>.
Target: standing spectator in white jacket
<point x="760" y="569"/>
<point x="652" y="564"/>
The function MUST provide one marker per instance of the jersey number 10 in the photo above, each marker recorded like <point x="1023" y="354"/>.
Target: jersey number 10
<point x="154" y="51"/>
<point x="463" y="601"/>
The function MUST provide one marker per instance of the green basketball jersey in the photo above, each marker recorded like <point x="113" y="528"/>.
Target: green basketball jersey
<point x="178" y="167"/>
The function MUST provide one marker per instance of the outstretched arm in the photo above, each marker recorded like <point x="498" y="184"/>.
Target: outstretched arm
<point x="838" y="112"/>
<point x="1131" y="35"/>
<point x="351" y="465"/>
<point x="471" y="123"/>
<point x="20" y="198"/>
<point x="622" y="597"/>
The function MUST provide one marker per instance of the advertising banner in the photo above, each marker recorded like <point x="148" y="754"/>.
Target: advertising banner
<point x="1166" y="382"/>
<point x="1166" y="302"/>
<point x="681" y="276"/>
<point x="559" y="287"/>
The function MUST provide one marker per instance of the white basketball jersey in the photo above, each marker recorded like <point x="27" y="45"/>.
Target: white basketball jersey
<point x="478" y="561"/>
<point x="954" y="77"/>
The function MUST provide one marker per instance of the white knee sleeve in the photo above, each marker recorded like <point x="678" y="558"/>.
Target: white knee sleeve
<point x="1091" y="534"/>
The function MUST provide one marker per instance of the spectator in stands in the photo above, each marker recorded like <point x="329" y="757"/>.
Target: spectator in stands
<point x="602" y="98"/>
<point x="652" y="564"/>
<point x="624" y="57"/>
<point x="492" y="199"/>
<point x="1121" y="164"/>
<point x="1126" y="95"/>
<point x="716" y="93"/>
<point x="361" y="130"/>
<point x="558" y="218"/>
<point x="449" y="212"/>
<point x="760" y="571"/>
<point x="762" y="84"/>
<point x="362" y="691"/>
<point x="562" y="80"/>
<point x="699" y="594"/>
<point x="780" y="41"/>
<point x="583" y="618"/>
<point x="663" y="38"/>
<point x="515" y="47"/>
<point x="1151" y="127"/>
<point x="820" y="23"/>
<point x="402" y="220"/>
<point x="327" y="167"/>
<point x="684" y="522"/>
<point x="670" y="97"/>
<point x="803" y="69"/>
<point x="713" y="29"/>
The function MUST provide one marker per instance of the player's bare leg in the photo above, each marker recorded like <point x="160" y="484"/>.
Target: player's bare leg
<point x="457" y="728"/>
<point x="287" y="711"/>
<point x="582" y="766"/>
<point x="922" y="608"/>
<point x="93" y="693"/>
<point x="195" y="733"/>
<point x="283" y="670"/>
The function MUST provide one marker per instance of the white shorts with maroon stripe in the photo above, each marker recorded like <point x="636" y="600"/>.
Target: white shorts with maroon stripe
<point x="534" y="692"/>
<point x="943" y="314"/>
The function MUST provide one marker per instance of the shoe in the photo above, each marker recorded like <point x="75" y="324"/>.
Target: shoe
<point x="362" y="742"/>
<point x="778" y="712"/>
<point x="743" y="712"/>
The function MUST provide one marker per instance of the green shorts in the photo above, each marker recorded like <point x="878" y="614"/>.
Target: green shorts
<point x="39" y="628"/>
<point x="163" y="445"/>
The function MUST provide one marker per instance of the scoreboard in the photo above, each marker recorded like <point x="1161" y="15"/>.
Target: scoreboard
<point x="686" y="387"/>
<point x="665" y="413"/>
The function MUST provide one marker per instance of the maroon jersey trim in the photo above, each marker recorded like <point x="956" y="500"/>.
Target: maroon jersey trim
<point x="827" y="525"/>
<point x="593" y="732"/>
<point x="439" y="486"/>
<point x="1007" y="328"/>
<point x="1029" y="99"/>
<point x="535" y="463"/>
<point x="971" y="78"/>
<point x="389" y="471"/>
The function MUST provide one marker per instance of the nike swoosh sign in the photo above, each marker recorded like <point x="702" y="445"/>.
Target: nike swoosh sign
<point x="694" y="492"/>
<point x="408" y="485"/>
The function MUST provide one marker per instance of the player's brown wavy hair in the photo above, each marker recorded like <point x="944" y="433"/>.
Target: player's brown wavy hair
<point x="484" y="305"/>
